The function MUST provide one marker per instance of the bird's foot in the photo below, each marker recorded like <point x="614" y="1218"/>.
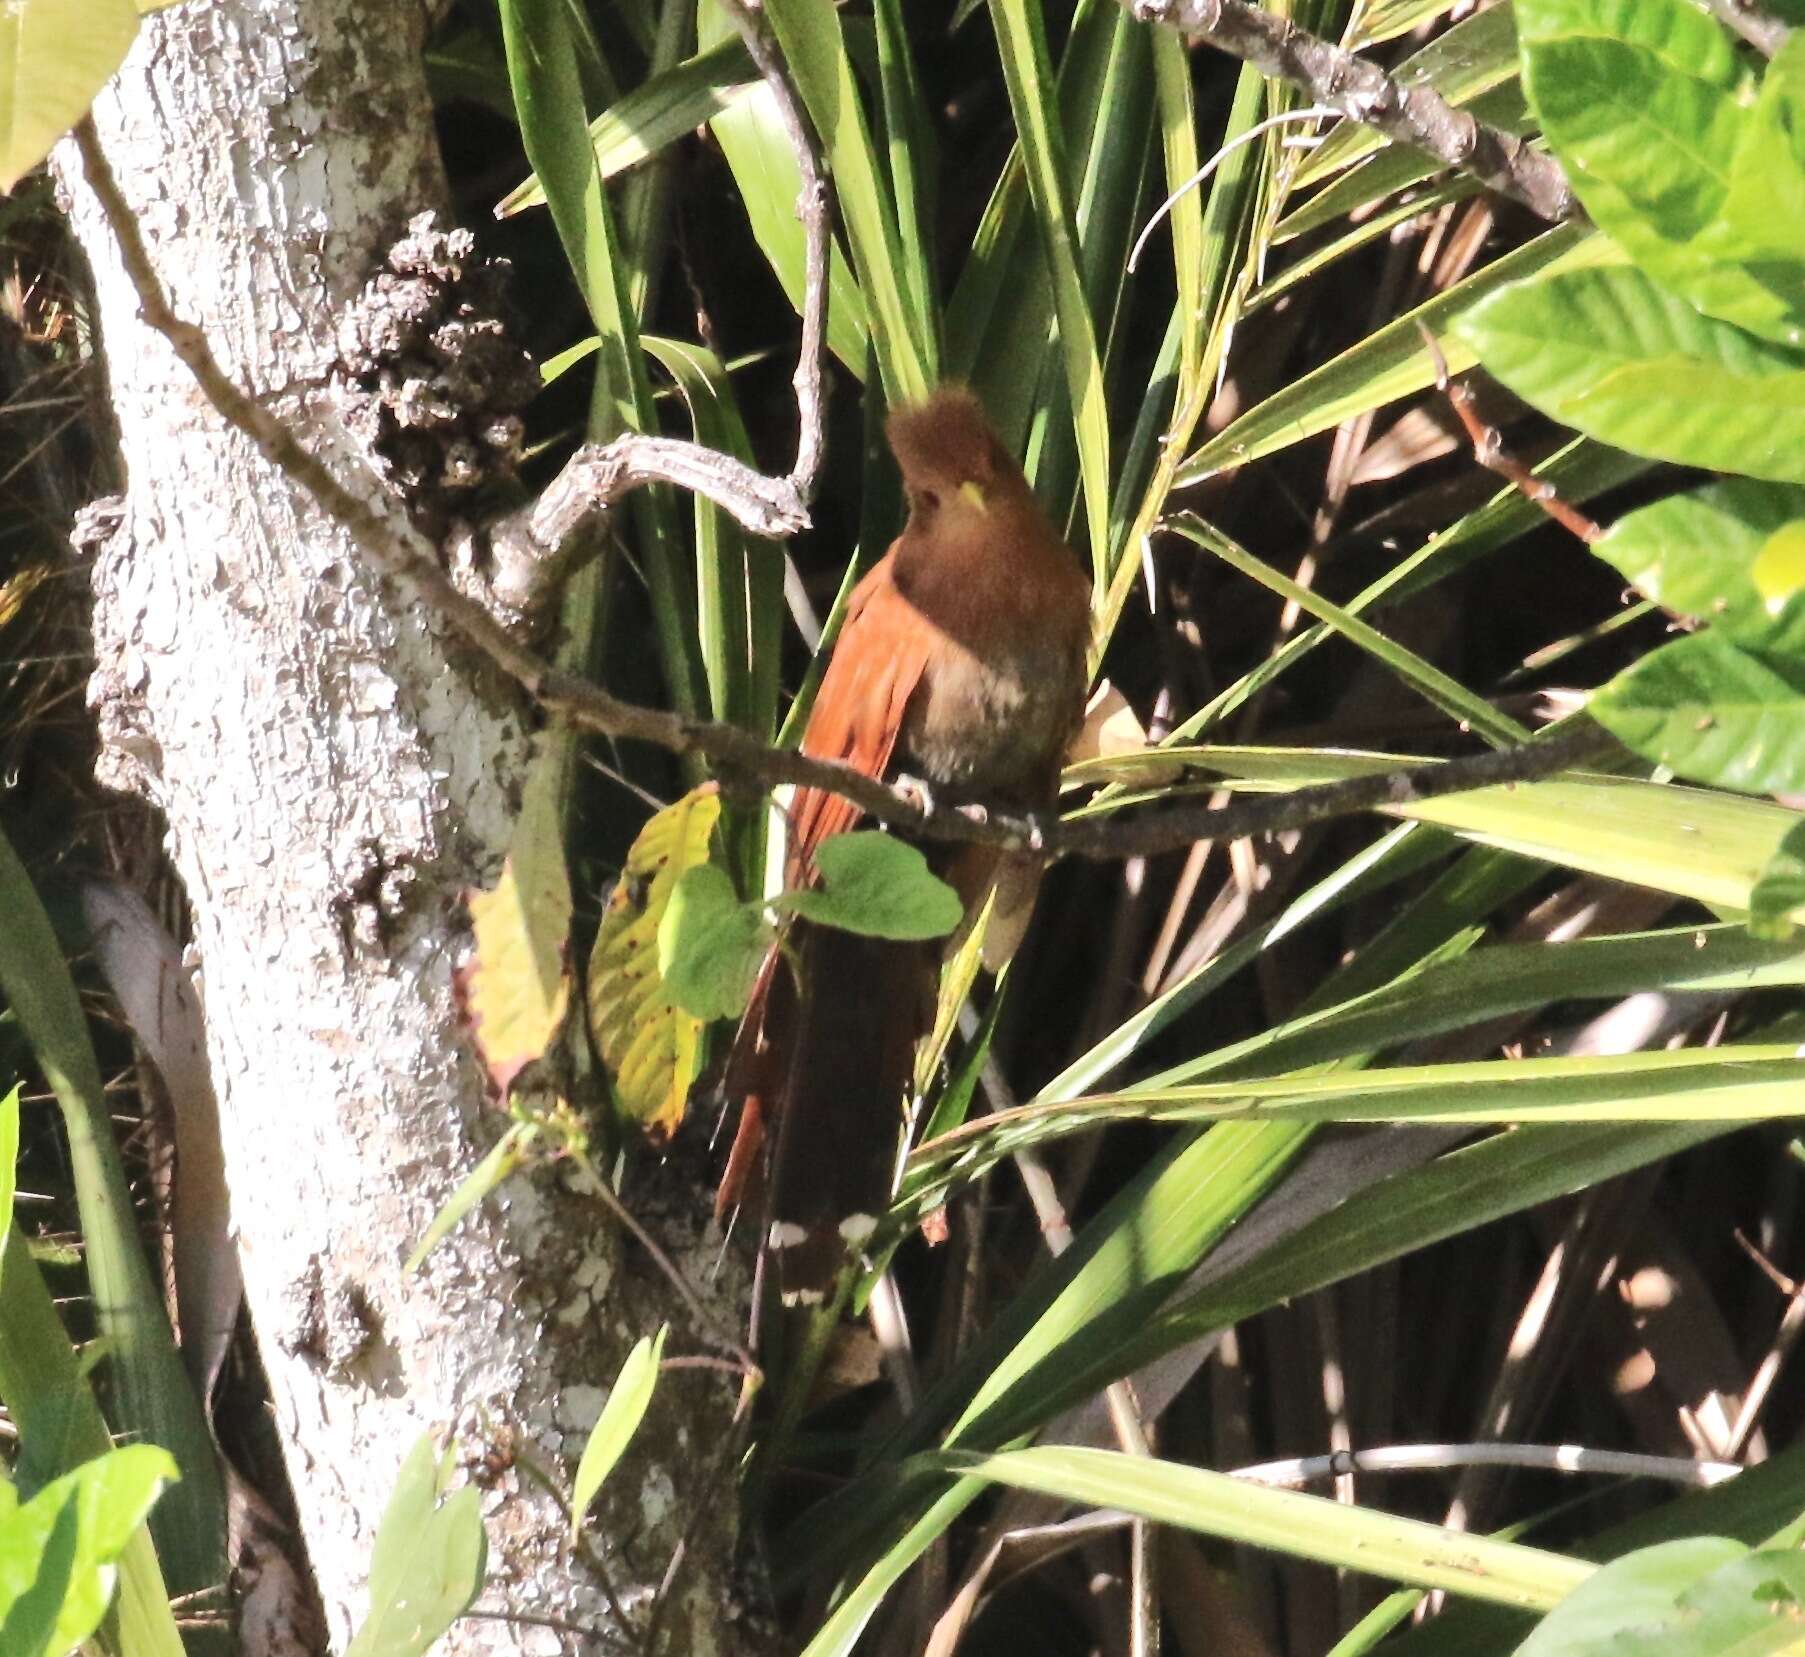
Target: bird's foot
<point x="917" y="792"/>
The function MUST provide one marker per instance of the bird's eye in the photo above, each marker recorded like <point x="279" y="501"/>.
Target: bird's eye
<point x="926" y="501"/>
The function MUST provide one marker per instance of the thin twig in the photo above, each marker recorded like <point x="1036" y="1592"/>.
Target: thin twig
<point x="1759" y="27"/>
<point x="813" y="208"/>
<point x="1557" y="1458"/>
<point x="1489" y="451"/>
<point x="1363" y="92"/>
<point x="706" y="1322"/>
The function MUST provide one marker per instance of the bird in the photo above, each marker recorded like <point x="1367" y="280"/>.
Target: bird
<point x="961" y="666"/>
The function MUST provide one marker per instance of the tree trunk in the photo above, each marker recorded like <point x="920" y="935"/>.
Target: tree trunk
<point x="336" y="770"/>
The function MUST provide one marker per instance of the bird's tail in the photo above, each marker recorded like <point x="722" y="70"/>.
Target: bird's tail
<point x="861" y="1004"/>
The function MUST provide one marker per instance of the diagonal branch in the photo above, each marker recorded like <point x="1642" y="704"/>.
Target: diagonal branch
<point x="736" y="751"/>
<point x="1363" y="92"/>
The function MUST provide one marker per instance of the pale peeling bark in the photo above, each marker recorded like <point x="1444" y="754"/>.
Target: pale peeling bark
<point x="335" y="771"/>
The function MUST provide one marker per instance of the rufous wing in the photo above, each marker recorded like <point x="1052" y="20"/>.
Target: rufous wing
<point x="877" y="664"/>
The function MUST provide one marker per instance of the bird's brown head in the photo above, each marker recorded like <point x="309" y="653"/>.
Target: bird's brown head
<point x="954" y="466"/>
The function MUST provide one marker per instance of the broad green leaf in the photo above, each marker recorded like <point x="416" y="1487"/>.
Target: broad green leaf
<point x="1388" y="364"/>
<point x="1625" y="361"/>
<point x="59" y="1425"/>
<point x="1704" y="1596"/>
<point x="1763" y="215"/>
<point x="55" y="56"/>
<point x="1687" y="43"/>
<point x="59" y="1551"/>
<point x="1701" y="554"/>
<point x="710" y="945"/>
<point x="664" y="108"/>
<point x="427" y="1562"/>
<point x="878" y="885"/>
<point x="1643" y="105"/>
<point x="650" y="1047"/>
<point x="1780" y="892"/>
<point x="1287" y="1521"/>
<point x="1715" y="711"/>
<point x="503" y="1158"/>
<point x="628" y="1400"/>
<point x="516" y="984"/>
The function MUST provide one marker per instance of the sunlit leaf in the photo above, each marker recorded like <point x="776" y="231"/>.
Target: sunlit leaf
<point x="503" y="1158"/>
<point x="878" y="885"/>
<point x="58" y="1551"/>
<point x="650" y="1047"/>
<point x="1643" y="105"/>
<point x="55" y="55"/>
<point x="1625" y="361"/>
<point x="516" y="984"/>
<point x="666" y="107"/>
<point x="1714" y="710"/>
<point x="1315" y="1527"/>
<point x="1702" y="1596"/>
<point x="628" y="1400"/>
<point x="428" y="1560"/>
<point x="1700" y="554"/>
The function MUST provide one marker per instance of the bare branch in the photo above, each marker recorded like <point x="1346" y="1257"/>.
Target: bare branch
<point x="734" y="750"/>
<point x="812" y="208"/>
<point x="1759" y="27"/>
<point x="1363" y="92"/>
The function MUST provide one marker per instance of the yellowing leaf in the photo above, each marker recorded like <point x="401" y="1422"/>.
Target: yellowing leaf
<point x="1779" y="569"/>
<point x="650" y="1047"/>
<point x="517" y="984"/>
<point x="14" y="593"/>
<point x="55" y="55"/>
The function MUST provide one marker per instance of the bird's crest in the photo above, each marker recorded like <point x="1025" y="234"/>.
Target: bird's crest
<point x="946" y="442"/>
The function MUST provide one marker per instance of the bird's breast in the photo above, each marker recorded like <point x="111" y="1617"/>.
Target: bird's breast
<point x="994" y="725"/>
